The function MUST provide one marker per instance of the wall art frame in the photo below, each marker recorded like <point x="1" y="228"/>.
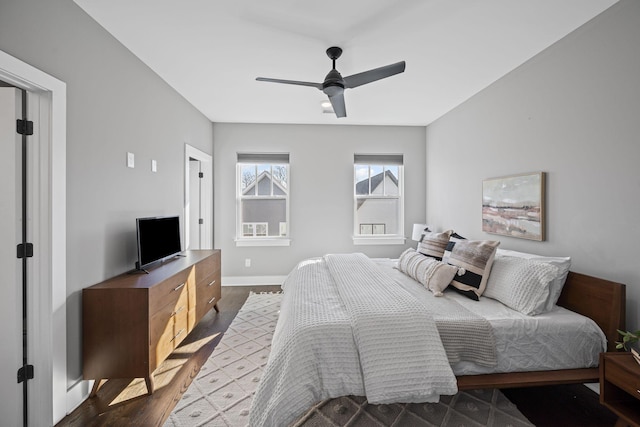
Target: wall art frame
<point x="514" y="206"/>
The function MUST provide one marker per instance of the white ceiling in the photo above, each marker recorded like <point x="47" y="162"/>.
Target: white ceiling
<point x="211" y="51"/>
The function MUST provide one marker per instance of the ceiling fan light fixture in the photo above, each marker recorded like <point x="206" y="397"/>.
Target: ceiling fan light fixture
<point x="326" y="107"/>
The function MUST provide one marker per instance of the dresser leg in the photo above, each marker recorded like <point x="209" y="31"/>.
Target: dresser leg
<point x="96" y="386"/>
<point x="150" y="385"/>
<point x="216" y="307"/>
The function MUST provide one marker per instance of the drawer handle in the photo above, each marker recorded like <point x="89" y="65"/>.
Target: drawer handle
<point x="177" y="311"/>
<point x="177" y="335"/>
<point x="210" y="284"/>
<point x="211" y="300"/>
<point x="178" y="287"/>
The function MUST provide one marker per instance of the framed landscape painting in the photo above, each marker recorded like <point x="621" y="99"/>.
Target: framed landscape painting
<point x="514" y="206"/>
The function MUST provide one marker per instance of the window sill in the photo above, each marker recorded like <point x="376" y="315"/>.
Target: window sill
<point x="264" y="242"/>
<point x="379" y="240"/>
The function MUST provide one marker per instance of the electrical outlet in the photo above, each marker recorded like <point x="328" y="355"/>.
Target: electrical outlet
<point x="154" y="166"/>
<point x="247" y="262"/>
<point x="131" y="160"/>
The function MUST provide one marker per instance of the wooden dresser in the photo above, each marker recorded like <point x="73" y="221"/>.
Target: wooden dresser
<point x="132" y="322"/>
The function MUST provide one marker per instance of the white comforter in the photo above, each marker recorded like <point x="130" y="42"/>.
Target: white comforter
<point x="375" y="340"/>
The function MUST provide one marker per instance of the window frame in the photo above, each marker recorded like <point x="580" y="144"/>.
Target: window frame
<point x="257" y="159"/>
<point x="384" y="161"/>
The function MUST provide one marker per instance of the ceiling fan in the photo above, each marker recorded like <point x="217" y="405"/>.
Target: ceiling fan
<point x="334" y="84"/>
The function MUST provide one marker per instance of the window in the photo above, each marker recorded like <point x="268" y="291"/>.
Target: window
<point x="378" y="199"/>
<point x="263" y="199"/>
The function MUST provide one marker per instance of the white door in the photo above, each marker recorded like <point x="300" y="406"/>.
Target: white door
<point x="10" y="266"/>
<point x="198" y="195"/>
<point x="195" y="214"/>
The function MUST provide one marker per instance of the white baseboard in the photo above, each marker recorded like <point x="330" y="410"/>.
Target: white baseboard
<point x="252" y="280"/>
<point x="78" y="393"/>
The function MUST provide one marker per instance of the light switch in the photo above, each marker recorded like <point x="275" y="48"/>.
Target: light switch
<point x="154" y="166"/>
<point x="130" y="160"/>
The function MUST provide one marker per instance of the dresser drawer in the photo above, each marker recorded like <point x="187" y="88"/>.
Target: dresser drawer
<point x="169" y="291"/>
<point x="203" y="308"/>
<point x="173" y="333"/>
<point x="206" y="268"/>
<point x="210" y="281"/>
<point x="207" y="298"/>
<point x="164" y="318"/>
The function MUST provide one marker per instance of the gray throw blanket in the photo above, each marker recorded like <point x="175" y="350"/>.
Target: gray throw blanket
<point x="394" y="334"/>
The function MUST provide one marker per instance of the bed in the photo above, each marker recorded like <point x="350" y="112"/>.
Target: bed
<point x="319" y="351"/>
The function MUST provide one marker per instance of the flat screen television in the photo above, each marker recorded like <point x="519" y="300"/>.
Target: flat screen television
<point x="158" y="239"/>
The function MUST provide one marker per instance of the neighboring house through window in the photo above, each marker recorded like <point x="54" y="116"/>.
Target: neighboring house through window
<point x="255" y="229"/>
<point x="378" y="199"/>
<point x="263" y="199"/>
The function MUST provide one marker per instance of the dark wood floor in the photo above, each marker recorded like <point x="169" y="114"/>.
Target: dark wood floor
<point x="125" y="402"/>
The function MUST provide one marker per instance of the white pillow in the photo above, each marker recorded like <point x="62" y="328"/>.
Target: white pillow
<point x="433" y="274"/>
<point x="521" y="283"/>
<point x="563" y="264"/>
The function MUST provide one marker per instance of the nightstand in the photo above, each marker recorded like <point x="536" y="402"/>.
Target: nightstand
<point x="620" y="387"/>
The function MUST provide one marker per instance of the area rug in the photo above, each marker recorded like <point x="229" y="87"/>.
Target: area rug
<point x="221" y="393"/>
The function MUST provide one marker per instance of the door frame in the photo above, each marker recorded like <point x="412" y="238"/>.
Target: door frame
<point x="47" y="287"/>
<point x="206" y="160"/>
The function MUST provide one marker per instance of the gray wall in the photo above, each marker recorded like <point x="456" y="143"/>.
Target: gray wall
<point x="573" y="112"/>
<point x="321" y="185"/>
<point x="115" y="104"/>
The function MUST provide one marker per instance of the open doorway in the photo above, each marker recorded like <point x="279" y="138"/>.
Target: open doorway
<point x="198" y="205"/>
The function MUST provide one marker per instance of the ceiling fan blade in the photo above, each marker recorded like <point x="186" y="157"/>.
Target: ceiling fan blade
<point x="290" y="82"/>
<point x="337" y="102"/>
<point x="365" y="77"/>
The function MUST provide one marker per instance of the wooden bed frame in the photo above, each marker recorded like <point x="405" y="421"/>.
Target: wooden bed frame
<point x="601" y="300"/>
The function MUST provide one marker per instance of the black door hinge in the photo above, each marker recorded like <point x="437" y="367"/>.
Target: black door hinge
<point x="200" y="221"/>
<point x="25" y="373"/>
<point x="24" y="127"/>
<point x="25" y="250"/>
<point x="200" y="175"/>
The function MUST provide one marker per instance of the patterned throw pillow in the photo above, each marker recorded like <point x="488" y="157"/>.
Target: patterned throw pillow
<point x="522" y="284"/>
<point x="455" y="237"/>
<point x="433" y="274"/>
<point x="434" y="244"/>
<point x="475" y="257"/>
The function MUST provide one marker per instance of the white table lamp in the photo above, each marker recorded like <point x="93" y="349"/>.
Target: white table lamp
<point x="418" y="229"/>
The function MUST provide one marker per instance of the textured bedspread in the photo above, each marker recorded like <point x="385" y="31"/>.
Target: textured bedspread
<point x="345" y="328"/>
